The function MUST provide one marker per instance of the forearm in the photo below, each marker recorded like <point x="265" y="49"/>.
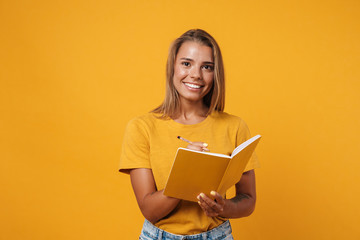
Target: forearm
<point x="242" y="205"/>
<point x="156" y="206"/>
<point x="153" y="204"/>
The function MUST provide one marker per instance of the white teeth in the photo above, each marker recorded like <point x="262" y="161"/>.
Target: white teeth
<point x="192" y="85"/>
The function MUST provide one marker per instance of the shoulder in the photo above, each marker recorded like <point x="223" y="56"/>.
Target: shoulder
<point x="143" y="120"/>
<point x="144" y="123"/>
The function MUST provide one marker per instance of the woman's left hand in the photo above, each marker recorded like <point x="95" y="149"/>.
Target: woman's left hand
<point x="212" y="208"/>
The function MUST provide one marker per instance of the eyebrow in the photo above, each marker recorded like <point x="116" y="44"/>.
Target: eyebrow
<point x="189" y="59"/>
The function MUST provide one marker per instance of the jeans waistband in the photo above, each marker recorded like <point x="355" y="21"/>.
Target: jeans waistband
<point x="221" y="232"/>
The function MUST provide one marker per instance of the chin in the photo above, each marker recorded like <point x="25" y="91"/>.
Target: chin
<point x="193" y="98"/>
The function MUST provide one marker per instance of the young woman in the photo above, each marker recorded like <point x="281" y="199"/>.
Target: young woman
<point x="193" y="109"/>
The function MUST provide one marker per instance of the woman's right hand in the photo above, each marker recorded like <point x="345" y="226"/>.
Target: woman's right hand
<point x="198" y="146"/>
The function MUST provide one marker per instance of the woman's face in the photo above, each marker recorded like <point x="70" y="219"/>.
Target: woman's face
<point x="193" y="71"/>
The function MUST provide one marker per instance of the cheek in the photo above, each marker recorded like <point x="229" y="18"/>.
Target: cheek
<point x="178" y="76"/>
<point x="209" y="78"/>
<point x="180" y="73"/>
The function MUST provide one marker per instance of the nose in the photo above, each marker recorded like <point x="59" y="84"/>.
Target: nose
<point x="195" y="73"/>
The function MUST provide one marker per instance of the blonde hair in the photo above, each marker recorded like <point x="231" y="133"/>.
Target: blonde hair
<point x="215" y="99"/>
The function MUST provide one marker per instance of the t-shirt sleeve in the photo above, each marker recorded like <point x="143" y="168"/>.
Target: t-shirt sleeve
<point x="135" y="148"/>
<point x="243" y="134"/>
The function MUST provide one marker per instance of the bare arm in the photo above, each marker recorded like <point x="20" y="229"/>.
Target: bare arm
<point x="242" y="205"/>
<point x="152" y="203"/>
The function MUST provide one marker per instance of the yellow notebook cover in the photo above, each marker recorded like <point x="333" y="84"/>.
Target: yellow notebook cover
<point x="194" y="172"/>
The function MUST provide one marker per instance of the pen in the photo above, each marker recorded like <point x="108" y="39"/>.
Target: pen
<point x="184" y="139"/>
<point x="190" y="142"/>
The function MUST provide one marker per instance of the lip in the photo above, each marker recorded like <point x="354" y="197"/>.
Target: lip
<point x="191" y="88"/>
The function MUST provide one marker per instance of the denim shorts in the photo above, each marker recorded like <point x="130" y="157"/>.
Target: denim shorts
<point x="150" y="232"/>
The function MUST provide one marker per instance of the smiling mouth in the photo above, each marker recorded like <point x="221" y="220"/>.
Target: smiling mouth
<point x="193" y="85"/>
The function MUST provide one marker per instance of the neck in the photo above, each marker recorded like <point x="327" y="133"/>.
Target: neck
<point x="191" y="112"/>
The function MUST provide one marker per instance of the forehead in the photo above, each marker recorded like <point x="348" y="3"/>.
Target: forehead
<point x="195" y="51"/>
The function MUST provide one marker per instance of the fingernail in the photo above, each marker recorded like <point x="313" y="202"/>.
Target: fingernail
<point x="202" y="195"/>
<point x="198" y="197"/>
<point x="205" y="144"/>
<point x="213" y="193"/>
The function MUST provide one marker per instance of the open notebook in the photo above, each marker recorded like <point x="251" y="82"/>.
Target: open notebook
<point x="194" y="172"/>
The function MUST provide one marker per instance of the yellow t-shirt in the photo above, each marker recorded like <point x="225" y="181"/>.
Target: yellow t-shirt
<point x="151" y="142"/>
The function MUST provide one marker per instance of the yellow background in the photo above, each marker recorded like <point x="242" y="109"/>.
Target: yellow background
<point x="74" y="72"/>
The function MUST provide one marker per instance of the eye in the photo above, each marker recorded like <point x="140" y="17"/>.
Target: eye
<point x="208" y="67"/>
<point x="186" y="64"/>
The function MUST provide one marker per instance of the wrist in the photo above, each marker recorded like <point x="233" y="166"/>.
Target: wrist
<point x="228" y="209"/>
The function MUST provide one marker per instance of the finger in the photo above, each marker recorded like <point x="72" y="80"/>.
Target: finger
<point x="194" y="147"/>
<point x="219" y="199"/>
<point x="199" y="146"/>
<point x="204" y="147"/>
<point x="208" y="202"/>
<point x="208" y="211"/>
